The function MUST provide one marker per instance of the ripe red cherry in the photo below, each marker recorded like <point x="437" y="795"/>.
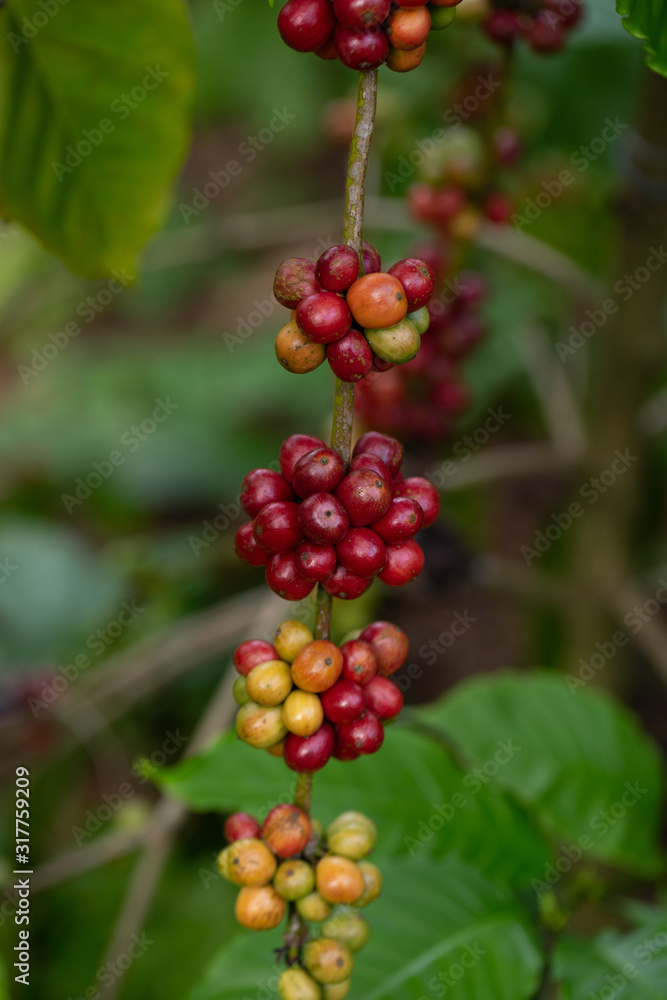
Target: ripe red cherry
<point x="545" y="36"/>
<point x="306" y="25"/>
<point x="338" y="268"/>
<point x="345" y="585"/>
<point x="471" y="290"/>
<point x="350" y="358"/>
<point x="344" y="752"/>
<point x="418" y="281"/>
<point x="365" y="734"/>
<point x="323" y="518"/>
<point x="401" y="522"/>
<point x="344" y="702"/>
<point x="389" y="645"/>
<point x="293" y="448"/>
<point x="364" y="495"/>
<point x="383" y="697"/>
<point x="318" y="471"/>
<point x="364" y="460"/>
<point x="380" y="365"/>
<point x="252" y="652"/>
<point x="324" y="317"/>
<point x="403" y="563"/>
<point x="286" y="829"/>
<point x="387" y="448"/>
<point x="359" y="662"/>
<point x="360" y="13"/>
<point x="447" y="203"/>
<point x="361" y="50"/>
<point x="315" y="562"/>
<point x="247" y="548"/>
<point x="276" y="527"/>
<point x="309" y="753"/>
<point x="361" y="552"/>
<point x="263" y="486"/>
<point x="502" y="26"/>
<point x="372" y="261"/>
<point x="294" y="280"/>
<point x="284" y="579"/>
<point x="498" y="208"/>
<point x="424" y="493"/>
<point x="452" y="398"/>
<point x="240" y="826"/>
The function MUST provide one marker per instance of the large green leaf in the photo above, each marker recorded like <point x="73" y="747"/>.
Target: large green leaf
<point x="436" y="927"/>
<point x="575" y="757"/>
<point x="625" y="965"/>
<point x="400" y="788"/>
<point x="4" y="995"/>
<point x="94" y="108"/>
<point x="647" y="19"/>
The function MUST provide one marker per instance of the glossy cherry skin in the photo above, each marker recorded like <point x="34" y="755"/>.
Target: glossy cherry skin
<point x="389" y="644"/>
<point x="402" y="521"/>
<point x="383" y="698"/>
<point x="418" y="281"/>
<point x="359" y="662"/>
<point x="344" y="702"/>
<point x="284" y="579"/>
<point x="306" y="25"/>
<point x="295" y="279"/>
<point x="251" y="653"/>
<point x="323" y="518"/>
<point x="314" y="561"/>
<point x="350" y="358"/>
<point x="365" y="496"/>
<point x="361" y="49"/>
<point x="345" y="585"/>
<point x="318" y="471"/>
<point x="361" y="552"/>
<point x="338" y="268"/>
<point x="361" y="13"/>
<point x="365" y="734"/>
<point x="365" y="460"/>
<point x="293" y="448"/>
<point x="310" y="753"/>
<point x="424" y="493"/>
<point x="344" y="752"/>
<point x="324" y="317"/>
<point x="263" y="486"/>
<point x="286" y="829"/>
<point x="403" y="563"/>
<point x="241" y="826"/>
<point x="385" y="447"/>
<point x="247" y="548"/>
<point x="372" y="262"/>
<point x="276" y="527"/>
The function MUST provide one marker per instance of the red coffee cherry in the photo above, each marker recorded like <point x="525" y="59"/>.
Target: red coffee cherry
<point x="310" y="753"/>
<point x="403" y="563"/>
<point x="418" y="281"/>
<point x="338" y="268"/>
<point x="403" y="519"/>
<point x="284" y="579"/>
<point x="372" y="262"/>
<point x="389" y="645"/>
<point x="365" y="734"/>
<point x="306" y="25"/>
<point x="324" y="317"/>
<point x="323" y="518"/>
<point x="387" y="448"/>
<point x="359" y="662"/>
<point x="317" y="666"/>
<point x="502" y="26"/>
<point x="377" y="301"/>
<point x="344" y="702"/>
<point x="498" y="208"/>
<point x="345" y="585"/>
<point x="361" y="552"/>
<point x="287" y="829"/>
<point x="247" y="548"/>
<point x="295" y="280"/>
<point x="293" y="448"/>
<point x="344" y="752"/>
<point x="383" y="697"/>
<point x="365" y="496"/>
<point x="318" y="471"/>
<point x="241" y="826"/>
<point x="361" y="50"/>
<point x="315" y="562"/>
<point x="364" y="460"/>
<point x="261" y="487"/>
<point x="276" y="527"/>
<point x="424" y="493"/>
<point x="350" y="358"/>
<point x="251" y="653"/>
<point x="544" y="36"/>
<point x="361" y="13"/>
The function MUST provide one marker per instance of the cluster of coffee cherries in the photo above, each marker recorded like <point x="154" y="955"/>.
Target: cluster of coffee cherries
<point x="289" y="865"/>
<point x="307" y="699"/>
<point x="424" y="397"/>
<point x="316" y="521"/>
<point x="544" y="24"/>
<point x="355" y="323"/>
<point x="364" y="34"/>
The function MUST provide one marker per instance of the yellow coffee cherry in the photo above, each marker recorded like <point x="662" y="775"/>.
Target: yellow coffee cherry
<point x="328" y="961"/>
<point x="294" y="879"/>
<point x="290" y="637"/>
<point x="259" y="907"/>
<point x="372" y="877"/>
<point x="269" y="683"/>
<point x="247" y="862"/>
<point x="336" y="991"/>
<point x="352" y="835"/>
<point x="296" y="984"/>
<point x="260" y="725"/>
<point x="303" y="713"/>
<point x="313" y="908"/>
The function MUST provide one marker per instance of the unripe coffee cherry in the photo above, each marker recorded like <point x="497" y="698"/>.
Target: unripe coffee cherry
<point x="395" y="344"/>
<point x="359" y="663"/>
<point x="338" y="879"/>
<point x="293" y="448"/>
<point x="327" y="961"/>
<point x="269" y="683"/>
<point x="296" y="984"/>
<point x="350" y="358"/>
<point x="287" y="830"/>
<point x="365" y="734"/>
<point x="317" y="666"/>
<point x="352" y="835"/>
<point x="336" y="991"/>
<point x="247" y="548"/>
<point x="377" y="301"/>
<point x="324" y="317"/>
<point x="424" y="492"/>
<point x="276" y="527"/>
<point x="261" y="487"/>
<point x="240" y="691"/>
<point x="295" y="280"/>
<point x="259" y="907"/>
<point x="323" y="518"/>
<point x="290" y="637"/>
<point x="310" y="753"/>
<point x="420" y="319"/>
<point x="403" y="519"/>
<point x="294" y="880"/>
<point x="385" y="447"/>
<point x="318" y="471"/>
<point x="296" y="352"/>
<point x="345" y="585"/>
<point x="344" y="702"/>
<point x="383" y="697"/>
<point x="353" y="931"/>
<point x="247" y="862"/>
<point x="284" y="580"/>
<point x="338" y="267"/>
<point x="313" y="908"/>
<point x="260" y="726"/>
<point x="372" y="877"/>
<point x="403" y="563"/>
<point x="277" y="750"/>
<point x="389" y="644"/>
<point x="241" y="826"/>
<point x="251" y="652"/>
<point x="315" y="562"/>
<point x="303" y="713"/>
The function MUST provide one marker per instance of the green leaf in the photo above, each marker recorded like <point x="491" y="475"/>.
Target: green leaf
<point x="435" y="927"/>
<point x="231" y="775"/>
<point x="573" y="756"/>
<point x="94" y="108"/>
<point x="4" y="995"/>
<point x="614" y="964"/>
<point x="647" y="19"/>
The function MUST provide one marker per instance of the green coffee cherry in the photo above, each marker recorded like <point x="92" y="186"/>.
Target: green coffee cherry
<point x="441" y="17"/>
<point x="352" y="835"/>
<point x="372" y="882"/>
<point x="296" y="984"/>
<point x="294" y="880"/>
<point x="241" y="696"/>
<point x="396" y="344"/>
<point x="420" y="317"/>
<point x="313" y="908"/>
<point x="336" y="991"/>
<point x="353" y="930"/>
